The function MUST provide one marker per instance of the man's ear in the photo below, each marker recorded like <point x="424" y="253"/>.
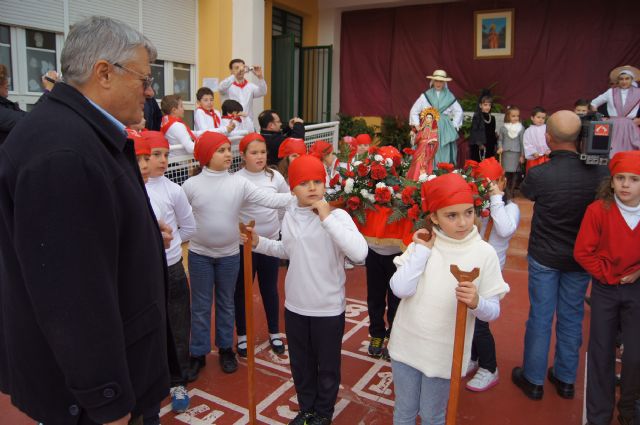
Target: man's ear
<point x="103" y="73"/>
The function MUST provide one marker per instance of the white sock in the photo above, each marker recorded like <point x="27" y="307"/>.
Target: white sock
<point x="242" y="341"/>
<point x="278" y="342"/>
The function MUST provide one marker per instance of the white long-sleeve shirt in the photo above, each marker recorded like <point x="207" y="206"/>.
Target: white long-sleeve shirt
<point x="178" y="215"/>
<point x="454" y="112"/>
<point x="244" y="95"/>
<point x="177" y="135"/>
<point x="241" y="129"/>
<point x="534" y="141"/>
<point x="267" y="219"/>
<point x="314" y="285"/>
<point x="607" y="97"/>
<point x="203" y="122"/>
<point x="505" y="223"/>
<point x="216" y="198"/>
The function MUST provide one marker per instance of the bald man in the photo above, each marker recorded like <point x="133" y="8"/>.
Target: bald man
<point x="561" y="189"/>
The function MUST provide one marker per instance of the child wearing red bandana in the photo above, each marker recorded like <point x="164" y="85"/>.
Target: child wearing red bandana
<point x="205" y="117"/>
<point x="290" y="149"/>
<point x="233" y="115"/>
<point x="608" y="247"/>
<point x="174" y="128"/>
<point x="316" y="240"/>
<point x="422" y="337"/>
<point x="323" y="150"/>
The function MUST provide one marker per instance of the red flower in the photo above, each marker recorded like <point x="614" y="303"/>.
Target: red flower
<point x="373" y="150"/>
<point x="353" y="203"/>
<point x="382" y="195"/>
<point x="378" y="172"/>
<point x="363" y="170"/>
<point x="408" y="151"/>
<point x="445" y="166"/>
<point x="477" y="202"/>
<point x="413" y="212"/>
<point x="485" y="213"/>
<point x="474" y="188"/>
<point x="366" y="161"/>
<point x="407" y="194"/>
<point x="370" y="184"/>
<point x="395" y="187"/>
<point x="470" y="163"/>
<point x="334" y="181"/>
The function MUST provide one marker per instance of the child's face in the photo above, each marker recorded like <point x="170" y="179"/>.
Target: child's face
<point x="627" y="188"/>
<point x="178" y="111"/>
<point x="514" y="117"/>
<point x="255" y="156"/>
<point x="428" y="120"/>
<point x="329" y="159"/>
<point x="309" y="192"/>
<point x="581" y="110"/>
<point x="485" y="107"/>
<point x="221" y="159"/>
<point x="292" y="157"/>
<point x="207" y="102"/>
<point x="143" y="164"/>
<point x="158" y="161"/>
<point x="455" y="221"/>
<point x="538" y="119"/>
<point x="362" y="149"/>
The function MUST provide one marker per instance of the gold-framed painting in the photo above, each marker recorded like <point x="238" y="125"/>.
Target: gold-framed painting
<point x="493" y="34"/>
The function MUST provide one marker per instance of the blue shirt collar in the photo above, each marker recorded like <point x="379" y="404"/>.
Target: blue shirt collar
<point x="110" y="117"/>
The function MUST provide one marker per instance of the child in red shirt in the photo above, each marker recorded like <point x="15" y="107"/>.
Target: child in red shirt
<point x="607" y="247"/>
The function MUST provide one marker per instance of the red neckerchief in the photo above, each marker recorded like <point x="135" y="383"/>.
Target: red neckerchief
<point x="242" y="84"/>
<point x="212" y="114"/>
<point x="169" y="120"/>
<point x="132" y="134"/>
<point x="231" y="117"/>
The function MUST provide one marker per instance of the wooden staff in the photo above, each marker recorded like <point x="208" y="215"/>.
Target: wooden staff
<point x="458" y="344"/>
<point x="248" y="307"/>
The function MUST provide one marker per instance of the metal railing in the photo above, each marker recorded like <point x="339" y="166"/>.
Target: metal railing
<point x="181" y="167"/>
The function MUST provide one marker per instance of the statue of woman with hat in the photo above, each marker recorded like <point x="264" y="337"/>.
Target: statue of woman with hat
<point x="439" y="97"/>
<point x="623" y="103"/>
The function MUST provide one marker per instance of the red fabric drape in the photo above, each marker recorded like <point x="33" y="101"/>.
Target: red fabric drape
<point x="562" y="51"/>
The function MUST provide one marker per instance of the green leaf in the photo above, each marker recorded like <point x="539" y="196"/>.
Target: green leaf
<point x="359" y="215"/>
<point x="396" y="215"/>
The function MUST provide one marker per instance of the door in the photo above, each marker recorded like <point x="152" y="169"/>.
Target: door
<point x="283" y="75"/>
<point x="315" y="83"/>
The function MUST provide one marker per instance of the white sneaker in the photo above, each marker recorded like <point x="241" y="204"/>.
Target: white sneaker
<point x="483" y="380"/>
<point x="179" y="399"/>
<point x="348" y="265"/>
<point x="472" y="367"/>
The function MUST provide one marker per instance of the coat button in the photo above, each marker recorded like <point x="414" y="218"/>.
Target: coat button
<point x="74" y="410"/>
<point x="108" y="393"/>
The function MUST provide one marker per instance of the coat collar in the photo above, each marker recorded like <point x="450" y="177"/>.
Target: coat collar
<point x="71" y="97"/>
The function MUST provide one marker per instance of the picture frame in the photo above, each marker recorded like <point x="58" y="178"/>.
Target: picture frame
<point x="493" y="34"/>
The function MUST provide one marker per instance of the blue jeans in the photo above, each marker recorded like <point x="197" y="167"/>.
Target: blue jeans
<point x="417" y="393"/>
<point x="552" y="291"/>
<point x="207" y="274"/>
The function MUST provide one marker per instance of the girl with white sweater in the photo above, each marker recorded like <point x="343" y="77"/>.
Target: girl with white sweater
<point x="316" y="240"/>
<point x="423" y="330"/>
<point x="216" y="197"/>
<point x="253" y="149"/>
<point x="497" y="229"/>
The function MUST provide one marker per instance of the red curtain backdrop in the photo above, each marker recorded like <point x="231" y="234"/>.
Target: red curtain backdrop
<point x="562" y="51"/>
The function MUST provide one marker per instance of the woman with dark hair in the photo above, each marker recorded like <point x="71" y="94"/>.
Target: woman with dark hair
<point x="10" y="112"/>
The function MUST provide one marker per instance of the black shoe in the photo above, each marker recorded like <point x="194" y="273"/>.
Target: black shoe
<point x="319" y="420"/>
<point x="228" y="361"/>
<point x="242" y="351"/>
<point x="302" y="418"/>
<point x="196" y="363"/>
<point x="534" y="392"/>
<point x="564" y="390"/>
<point x="375" y="346"/>
<point x="277" y="348"/>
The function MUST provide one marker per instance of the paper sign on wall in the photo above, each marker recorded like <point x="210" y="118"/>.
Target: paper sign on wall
<point x="211" y="83"/>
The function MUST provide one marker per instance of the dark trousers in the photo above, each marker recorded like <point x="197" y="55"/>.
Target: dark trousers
<point x="380" y="268"/>
<point x="179" y="313"/>
<point x="475" y="152"/>
<point x="483" y="347"/>
<point x="613" y="305"/>
<point x="266" y="268"/>
<point x="314" y="355"/>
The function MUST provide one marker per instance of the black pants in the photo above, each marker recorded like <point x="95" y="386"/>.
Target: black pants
<point x="179" y="313"/>
<point x="267" y="269"/>
<point x="483" y="347"/>
<point x="380" y="268"/>
<point x="474" y="151"/>
<point x="314" y="355"/>
<point x="612" y="305"/>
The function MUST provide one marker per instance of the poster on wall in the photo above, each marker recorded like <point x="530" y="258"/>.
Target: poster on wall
<point x="493" y="34"/>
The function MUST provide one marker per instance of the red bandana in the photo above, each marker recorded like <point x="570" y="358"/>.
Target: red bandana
<point x="212" y="114"/>
<point x="169" y="120"/>
<point x="231" y="117"/>
<point x="242" y="84"/>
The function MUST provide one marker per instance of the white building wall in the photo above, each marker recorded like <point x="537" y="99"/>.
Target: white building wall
<point x="329" y="27"/>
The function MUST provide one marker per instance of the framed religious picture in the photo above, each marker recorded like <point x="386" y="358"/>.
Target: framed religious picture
<point x="493" y="34"/>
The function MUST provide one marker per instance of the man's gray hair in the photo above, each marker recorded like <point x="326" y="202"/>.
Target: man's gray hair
<point x="100" y="38"/>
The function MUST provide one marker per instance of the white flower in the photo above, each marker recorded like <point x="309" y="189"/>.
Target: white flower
<point x="381" y="184"/>
<point x="456" y="171"/>
<point x="355" y="164"/>
<point x="422" y="178"/>
<point x="378" y="158"/>
<point x="398" y="195"/>
<point x="388" y="162"/>
<point x="431" y="177"/>
<point x="348" y="186"/>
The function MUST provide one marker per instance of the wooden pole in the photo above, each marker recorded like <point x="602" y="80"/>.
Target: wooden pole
<point x="248" y="307"/>
<point x="458" y="344"/>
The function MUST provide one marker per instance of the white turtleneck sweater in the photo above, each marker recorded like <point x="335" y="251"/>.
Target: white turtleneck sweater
<point x="630" y="214"/>
<point x="216" y="198"/>
<point x="424" y="326"/>
<point x="172" y="200"/>
<point x="505" y="223"/>
<point x="314" y="285"/>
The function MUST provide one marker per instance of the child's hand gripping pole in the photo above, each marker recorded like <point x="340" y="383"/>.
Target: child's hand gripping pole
<point x="247" y="231"/>
<point x="458" y="344"/>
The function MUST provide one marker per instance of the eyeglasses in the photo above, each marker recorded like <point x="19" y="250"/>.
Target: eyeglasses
<point x="147" y="81"/>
